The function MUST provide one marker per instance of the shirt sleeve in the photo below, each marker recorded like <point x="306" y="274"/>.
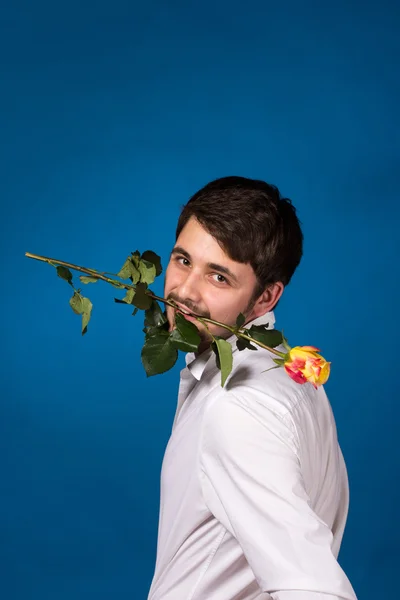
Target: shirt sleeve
<point x="252" y="483"/>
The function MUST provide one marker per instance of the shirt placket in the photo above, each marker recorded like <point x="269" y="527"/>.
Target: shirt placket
<point x="186" y="385"/>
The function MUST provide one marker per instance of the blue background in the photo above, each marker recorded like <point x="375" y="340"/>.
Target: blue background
<point x="112" y="115"/>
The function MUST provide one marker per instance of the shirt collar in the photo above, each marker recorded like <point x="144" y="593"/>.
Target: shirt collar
<point x="197" y="364"/>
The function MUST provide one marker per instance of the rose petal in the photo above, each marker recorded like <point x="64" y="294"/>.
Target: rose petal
<point x="295" y="374"/>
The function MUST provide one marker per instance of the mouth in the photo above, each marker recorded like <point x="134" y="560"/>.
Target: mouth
<point x="185" y="312"/>
<point x="182" y="309"/>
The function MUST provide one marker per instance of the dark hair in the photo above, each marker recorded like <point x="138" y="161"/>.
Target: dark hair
<point x="252" y="223"/>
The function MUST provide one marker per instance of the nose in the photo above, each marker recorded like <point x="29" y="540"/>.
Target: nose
<point x="189" y="288"/>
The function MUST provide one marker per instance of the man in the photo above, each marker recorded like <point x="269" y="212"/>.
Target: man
<point x="254" y="488"/>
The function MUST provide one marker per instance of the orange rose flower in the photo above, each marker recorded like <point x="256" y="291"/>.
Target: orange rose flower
<point x="303" y="363"/>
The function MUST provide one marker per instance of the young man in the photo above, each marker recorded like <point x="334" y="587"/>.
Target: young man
<point x="254" y="488"/>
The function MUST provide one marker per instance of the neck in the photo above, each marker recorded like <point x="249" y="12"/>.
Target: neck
<point x="203" y="346"/>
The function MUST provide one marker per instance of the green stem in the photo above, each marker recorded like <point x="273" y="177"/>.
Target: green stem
<point x="224" y="325"/>
<point x="247" y="337"/>
<point x="127" y="286"/>
<point x="86" y="270"/>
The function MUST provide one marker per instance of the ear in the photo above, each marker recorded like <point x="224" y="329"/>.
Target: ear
<point x="267" y="300"/>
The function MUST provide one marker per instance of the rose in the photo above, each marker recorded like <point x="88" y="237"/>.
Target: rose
<point x="160" y="351"/>
<point x="303" y="363"/>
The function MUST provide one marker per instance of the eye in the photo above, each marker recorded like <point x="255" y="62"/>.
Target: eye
<point x="220" y="278"/>
<point x="182" y="260"/>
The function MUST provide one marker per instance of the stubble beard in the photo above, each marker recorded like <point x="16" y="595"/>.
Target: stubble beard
<point x="206" y="339"/>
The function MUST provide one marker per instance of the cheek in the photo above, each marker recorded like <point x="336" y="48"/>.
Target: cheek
<point x="225" y="305"/>
<point x="171" y="278"/>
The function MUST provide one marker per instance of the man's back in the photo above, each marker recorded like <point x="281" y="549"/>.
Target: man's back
<point x="254" y="490"/>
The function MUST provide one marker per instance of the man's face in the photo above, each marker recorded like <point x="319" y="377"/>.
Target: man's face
<point x="203" y="279"/>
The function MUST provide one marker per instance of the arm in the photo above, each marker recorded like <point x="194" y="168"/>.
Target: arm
<point x="252" y="483"/>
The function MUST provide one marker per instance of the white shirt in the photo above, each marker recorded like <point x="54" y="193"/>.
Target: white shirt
<point x="254" y="488"/>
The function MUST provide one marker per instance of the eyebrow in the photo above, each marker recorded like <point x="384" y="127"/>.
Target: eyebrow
<point x="213" y="266"/>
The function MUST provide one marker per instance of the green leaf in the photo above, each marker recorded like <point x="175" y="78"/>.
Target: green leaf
<point x="147" y="271"/>
<point x="135" y="258"/>
<point x="129" y="296"/>
<point x="158" y="354"/>
<point x="81" y="306"/>
<point x="85" y="279"/>
<point x="181" y="344"/>
<point x="187" y="329"/>
<point x="125" y="270"/>
<point x="127" y="299"/>
<point x="270" y="369"/>
<point x="65" y="274"/>
<point x="153" y="258"/>
<point x="242" y="344"/>
<point x="279" y="361"/>
<point x="141" y="299"/>
<point x="76" y="303"/>
<point x="240" y="321"/>
<point x="269" y="337"/>
<point x="154" y="317"/>
<point x="152" y="331"/>
<point x="135" y="274"/>
<point x="185" y="336"/>
<point x="223" y="350"/>
<point x="87" y="310"/>
<point x="129" y="271"/>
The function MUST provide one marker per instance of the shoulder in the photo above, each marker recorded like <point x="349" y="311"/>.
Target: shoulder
<point x="239" y="420"/>
<point x="258" y="397"/>
<point x="255" y="376"/>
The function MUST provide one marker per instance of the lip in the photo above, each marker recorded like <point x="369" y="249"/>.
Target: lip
<point x="185" y="314"/>
<point x="183" y="309"/>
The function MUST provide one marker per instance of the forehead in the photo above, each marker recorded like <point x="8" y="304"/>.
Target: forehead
<point x="199" y="240"/>
<point x="204" y="248"/>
